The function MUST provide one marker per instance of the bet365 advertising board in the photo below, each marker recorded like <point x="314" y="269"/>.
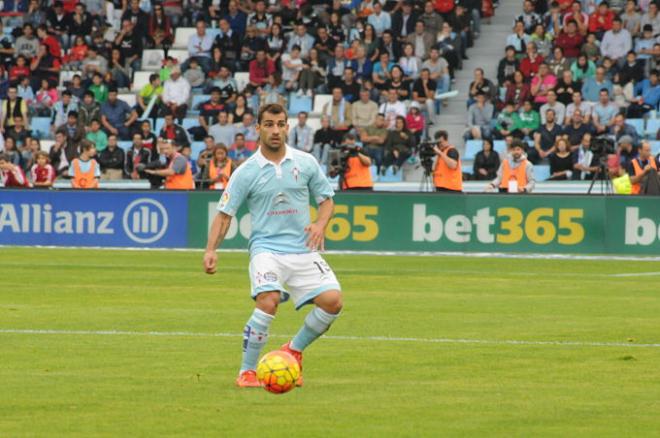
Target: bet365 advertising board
<point x="362" y="222"/>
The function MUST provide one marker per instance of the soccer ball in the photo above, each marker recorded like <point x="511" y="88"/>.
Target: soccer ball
<point x="278" y="372"/>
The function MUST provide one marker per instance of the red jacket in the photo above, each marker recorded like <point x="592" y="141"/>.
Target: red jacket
<point x="571" y="45"/>
<point x="525" y="94"/>
<point x="596" y="26"/>
<point x="259" y="73"/>
<point x="529" y="68"/>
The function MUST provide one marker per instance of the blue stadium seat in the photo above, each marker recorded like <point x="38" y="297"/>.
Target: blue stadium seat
<point x="299" y="104"/>
<point x="41" y="127"/>
<point x="374" y="173"/>
<point x="466" y="167"/>
<point x="190" y="123"/>
<point x="541" y="172"/>
<point x="125" y="145"/>
<point x="638" y="124"/>
<point x="655" y="146"/>
<point x="471" y="148"/>
<point x="197" y="99"/>
<point x="499" y="146"/>
<point x="159" y="125"/>
<point x="196" y="147"/>
<point x="652" y="126"/>
<point x="391" y="177"/>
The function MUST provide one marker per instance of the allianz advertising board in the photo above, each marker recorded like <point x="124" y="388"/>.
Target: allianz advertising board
<point x="93" y="218"/>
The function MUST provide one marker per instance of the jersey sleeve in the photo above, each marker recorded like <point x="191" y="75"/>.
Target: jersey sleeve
<point x="319" y="186"/>
<point x="236" y="191"/>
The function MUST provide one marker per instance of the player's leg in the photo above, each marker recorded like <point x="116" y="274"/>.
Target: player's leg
<point x="327" y="307"/>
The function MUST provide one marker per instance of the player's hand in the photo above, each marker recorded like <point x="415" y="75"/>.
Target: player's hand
<point x="210" y="261"/>
<point x="315" y="237"/>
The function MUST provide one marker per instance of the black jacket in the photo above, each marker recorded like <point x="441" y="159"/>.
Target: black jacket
<point x="180" y="135"/>
<point x="112" y="159"/>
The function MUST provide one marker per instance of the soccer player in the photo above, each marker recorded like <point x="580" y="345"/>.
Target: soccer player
<point x="276" y="182"/>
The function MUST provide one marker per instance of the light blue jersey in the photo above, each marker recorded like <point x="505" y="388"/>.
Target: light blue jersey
<point x="278" y="199"/>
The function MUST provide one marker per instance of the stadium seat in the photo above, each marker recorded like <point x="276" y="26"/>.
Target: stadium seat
<point x="140" y="79"/>
<point x="499" y="146"/>
<point x="182" y="36"/>
<point x="196" y="101"/>
<point x="652" y="127"/>
<point x="638" y="124"/>
<point x="242" y="78"/>
<point x="159" y="125"/>
<point x="190" y="122"/>
<point x="541" y="172"/>
<point x="655" y="147"/>
<point x="375" y="177"/>
<point x="314" y="123"/>
<point x="471" y="148"/>
<point x="152" y="59"/>
<point x="213" y="32"/>
<point x="130" y="99"/>
<point x="390" y="176"/>
<point x="125" y="145"/>
<point x="197" y="147"/>
<point x="319" y="101"/>
<point x="67" y="76"/>
<point x="46" y="145"/>
<point x="41" y="127"/>
<point x="466" y="167"/>
<point x="299" y="104"/>
<point x="180" y="55"/>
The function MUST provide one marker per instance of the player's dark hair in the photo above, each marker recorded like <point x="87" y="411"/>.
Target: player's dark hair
<point x="273" y="108"/>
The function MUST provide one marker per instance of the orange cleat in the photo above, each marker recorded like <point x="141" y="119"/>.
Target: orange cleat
<point x="248" y="379"/>
<point x="298" y="355"/>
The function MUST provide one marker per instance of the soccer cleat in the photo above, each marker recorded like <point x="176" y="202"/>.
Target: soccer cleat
<point x="248" y="379"/>
<point x="298" y="356"/>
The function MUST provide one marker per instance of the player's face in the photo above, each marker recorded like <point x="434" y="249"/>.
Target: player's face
<point x="273" y="131"/>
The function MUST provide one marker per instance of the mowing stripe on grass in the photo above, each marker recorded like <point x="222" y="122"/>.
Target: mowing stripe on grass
<point x="330" y="337"/>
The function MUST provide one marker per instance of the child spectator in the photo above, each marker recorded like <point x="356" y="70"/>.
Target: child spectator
<point x="45" y="99"/>
<point x="42" y="173"/>
<point x="195" y="74"/>
<point x="20" y="70"/>
<point x="11" y="175"/>
<point x="25" y="92"/>
<point x="77" y="53"/>
<point x="97" y="136"/>
<point x="99" y="89"/>
<point x="415" y="121"/>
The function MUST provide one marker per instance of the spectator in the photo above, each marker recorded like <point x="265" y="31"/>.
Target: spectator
<point x="373" y="137"/>
<point x="529" y="65"/>
<point x="117" y="116"/>
<point x="651" y="17"/>
<point x="194" y="74"/>
<point x="631" y="70"/>
<point x="558" y="63"/>
<point x="172" y="131"/>
<point x="507" y="66"/>
<point x="237" y="18"/>
<point x="561" y="161"/>
<point x="604" y="112"/>
<point x="149" y="139"/>
<point x="152" y="90"/>
<point x="292" y="65"/>
<point x="14" y="156"/>
<point x="301" y="136"/>
<point x="176" y="93"/>
<point x="577" y="128"/>
<point x="111" y="160"/>
<point x="248" y="128"/>
<point x="54" y="47"/>
<point x="552" y="104"/>
<point x="24" y="91"/>
<point x="398" y="145"/>
<point x="381" y="71"/>
<point x="530" y="120"/>
<point x="626" y="152"/>
<point x="45" y="99"/>
<point x="260" y="68"/>
<point x="529" y="18"/>
<point x="447" y="173"/>
<point x="415" y="121"/>
<point x="11" y="175"/>
<point x="137" y="17"/>
<point x="76" y="88"/>
<point x="421" y="40"/>
<point x="94" y="63"/>
<point x="363" y="111"/>
<point x="578" y="104"/>
<point x="518" y="91"/>
<point x="516" y="173"/>
<point x="398" y="82"/>
<point x="159" y="33"/>
<point x="89" y="109"/>
<point x="640" y="167"/>
<point x="518" y="39"/>
<point x="19" y="70"/>
<point x="301" y="39"/>
<point x="380" y="19"/>
<point x="11" y="107"/>
<point x="99" y="89"/>
<point x="424" y="91"/>
<point x="325" y="139"/>
<point x="431" y="19"/>
<point x="601" y="20"/>
<point x="120" y="72"/>
<point x="220" y="168"/>
<point x="97" y="136"/>
<point x="486" y="162"/>
<point x="410" y="63"/>
<point x="583" y="69"/>
<point x="136" y="156"/>
<point x="479" y="116"/>
<point x="508" y="122"/>
<point x="75" y="131"/>
<point x="239" y="151"/>
<point x="84" y="170"/>
<point x="647" y="93"/>
<point x="27" y="44"/>
<point x="617" y="42"/>
<point x="545" y="139"/>
<point x="392" y="109"/>
<point x="61" y="153"/>
<point x="593" y="86"/>
<point x="19" y="133"/>
<point x="482" y="85"/>
<point x="62" y="108"/>
<point x="199" y="48"/>
<point x="620" y="128"/>
<point x="576" y="16"/>
<point x="208" y="112"/>
<point x="339" y="111"/>
<point x="542" y="83"/>
<point x="362" y="65"/>
<point x="566" y="87"/>
<point x="644" y="45"/>
<point x="336" y="66"/>
<point x="349" y="87"/>
<point x="632" y="20"/>
<point x="585" y="163"/>
<point x="543" y="40"/>
<point x="389" y="45"/>
<point x="42" y="173"/>
<point x="240" y="109"/>
<point x="223" y="131"/>
<point x="178" y="174"/>
<point x="129" y="43"/>
<point x="438" y="69"/>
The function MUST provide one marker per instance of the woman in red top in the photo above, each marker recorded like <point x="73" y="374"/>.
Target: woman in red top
<point x="415" y="121"/>
<point x="42" y="173"/>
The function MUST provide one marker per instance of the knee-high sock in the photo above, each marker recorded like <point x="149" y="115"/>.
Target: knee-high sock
<point x="255" y="336"/>
<point x="317" y="322"/>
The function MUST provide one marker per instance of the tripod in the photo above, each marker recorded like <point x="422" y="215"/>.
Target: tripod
<point x="426" y="184"/>
<point x="605" y="181"/>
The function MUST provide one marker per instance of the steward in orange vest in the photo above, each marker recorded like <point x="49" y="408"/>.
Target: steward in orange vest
<point x="174" y="178"/>
<point x="219" y="173"/>
<point x="447" y="174"/>
<point x="514" y="179"/>
<point x="88" y="179"/>
<point x="638" y="170"/>
<point x="358" y="169"/>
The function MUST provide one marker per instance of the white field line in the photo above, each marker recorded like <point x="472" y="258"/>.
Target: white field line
<point x="330" y="337"/>
<point x="536" y="256"/>
<point x="636" y="274"/>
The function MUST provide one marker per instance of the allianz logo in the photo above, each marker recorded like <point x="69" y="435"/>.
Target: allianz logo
<point x="143" y="221"/>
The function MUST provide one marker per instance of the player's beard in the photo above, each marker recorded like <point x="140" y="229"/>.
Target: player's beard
<point x="275" y="146"/>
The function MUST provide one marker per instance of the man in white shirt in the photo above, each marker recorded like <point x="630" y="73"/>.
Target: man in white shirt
<point x="558" y="107"/>
<point x="199" y="48"/>
<point x="301" y="39"/>
<point x="380" y="19"/>
<point x="292" y="65"/>
<point x="617" y="42"/>
<point x="301" y="136"/>
<point x="577" y="104"/>
<point x="176" y="93"/>
<point x="392" y="108"/>
<point x="223" y="131"/>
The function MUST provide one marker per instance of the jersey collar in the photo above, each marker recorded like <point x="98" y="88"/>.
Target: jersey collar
<point x="263" y="161"/>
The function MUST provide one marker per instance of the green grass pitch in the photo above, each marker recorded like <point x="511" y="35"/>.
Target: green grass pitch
<point x="81" y="380"/>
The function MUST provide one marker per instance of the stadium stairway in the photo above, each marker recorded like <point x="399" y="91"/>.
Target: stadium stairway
<point x="486" y="53"/>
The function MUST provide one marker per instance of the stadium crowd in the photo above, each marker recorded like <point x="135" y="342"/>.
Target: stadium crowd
<point x="96" y="89"/>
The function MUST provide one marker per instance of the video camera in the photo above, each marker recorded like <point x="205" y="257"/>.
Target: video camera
<point x="602" y="147"/>
<point x="338" y="158"/>
<point x="426" y="155"/>
<point x="154" y="180"/>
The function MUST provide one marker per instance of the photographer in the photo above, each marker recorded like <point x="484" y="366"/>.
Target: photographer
<point x="355" y="166"/>
<point x="447" y="174"/>
<point x="178" y="174"/>
<point x="641" y="167"/>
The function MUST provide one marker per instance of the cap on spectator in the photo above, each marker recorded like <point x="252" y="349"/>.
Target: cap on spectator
<point x="626" y="139"/>
<point x="647" y="28"/>
<point x="415" y="104"/>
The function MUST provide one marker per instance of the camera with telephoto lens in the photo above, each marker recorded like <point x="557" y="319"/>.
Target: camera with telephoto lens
<point x="154" y="180"/>
<point x="338" y="158"/>
<point x="602" y="146"/>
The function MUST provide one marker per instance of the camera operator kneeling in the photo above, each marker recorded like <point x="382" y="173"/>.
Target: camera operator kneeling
<point x="447" y="174"/>
<point x="357" y="167"/>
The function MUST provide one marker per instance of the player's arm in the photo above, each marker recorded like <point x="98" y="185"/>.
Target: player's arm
<point x="217" y="234"/>
<point x="316" y="230"/>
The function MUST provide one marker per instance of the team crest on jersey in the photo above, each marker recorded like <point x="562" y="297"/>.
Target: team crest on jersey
<point x="296" y="173"/>
<point x="270" y="277"/>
